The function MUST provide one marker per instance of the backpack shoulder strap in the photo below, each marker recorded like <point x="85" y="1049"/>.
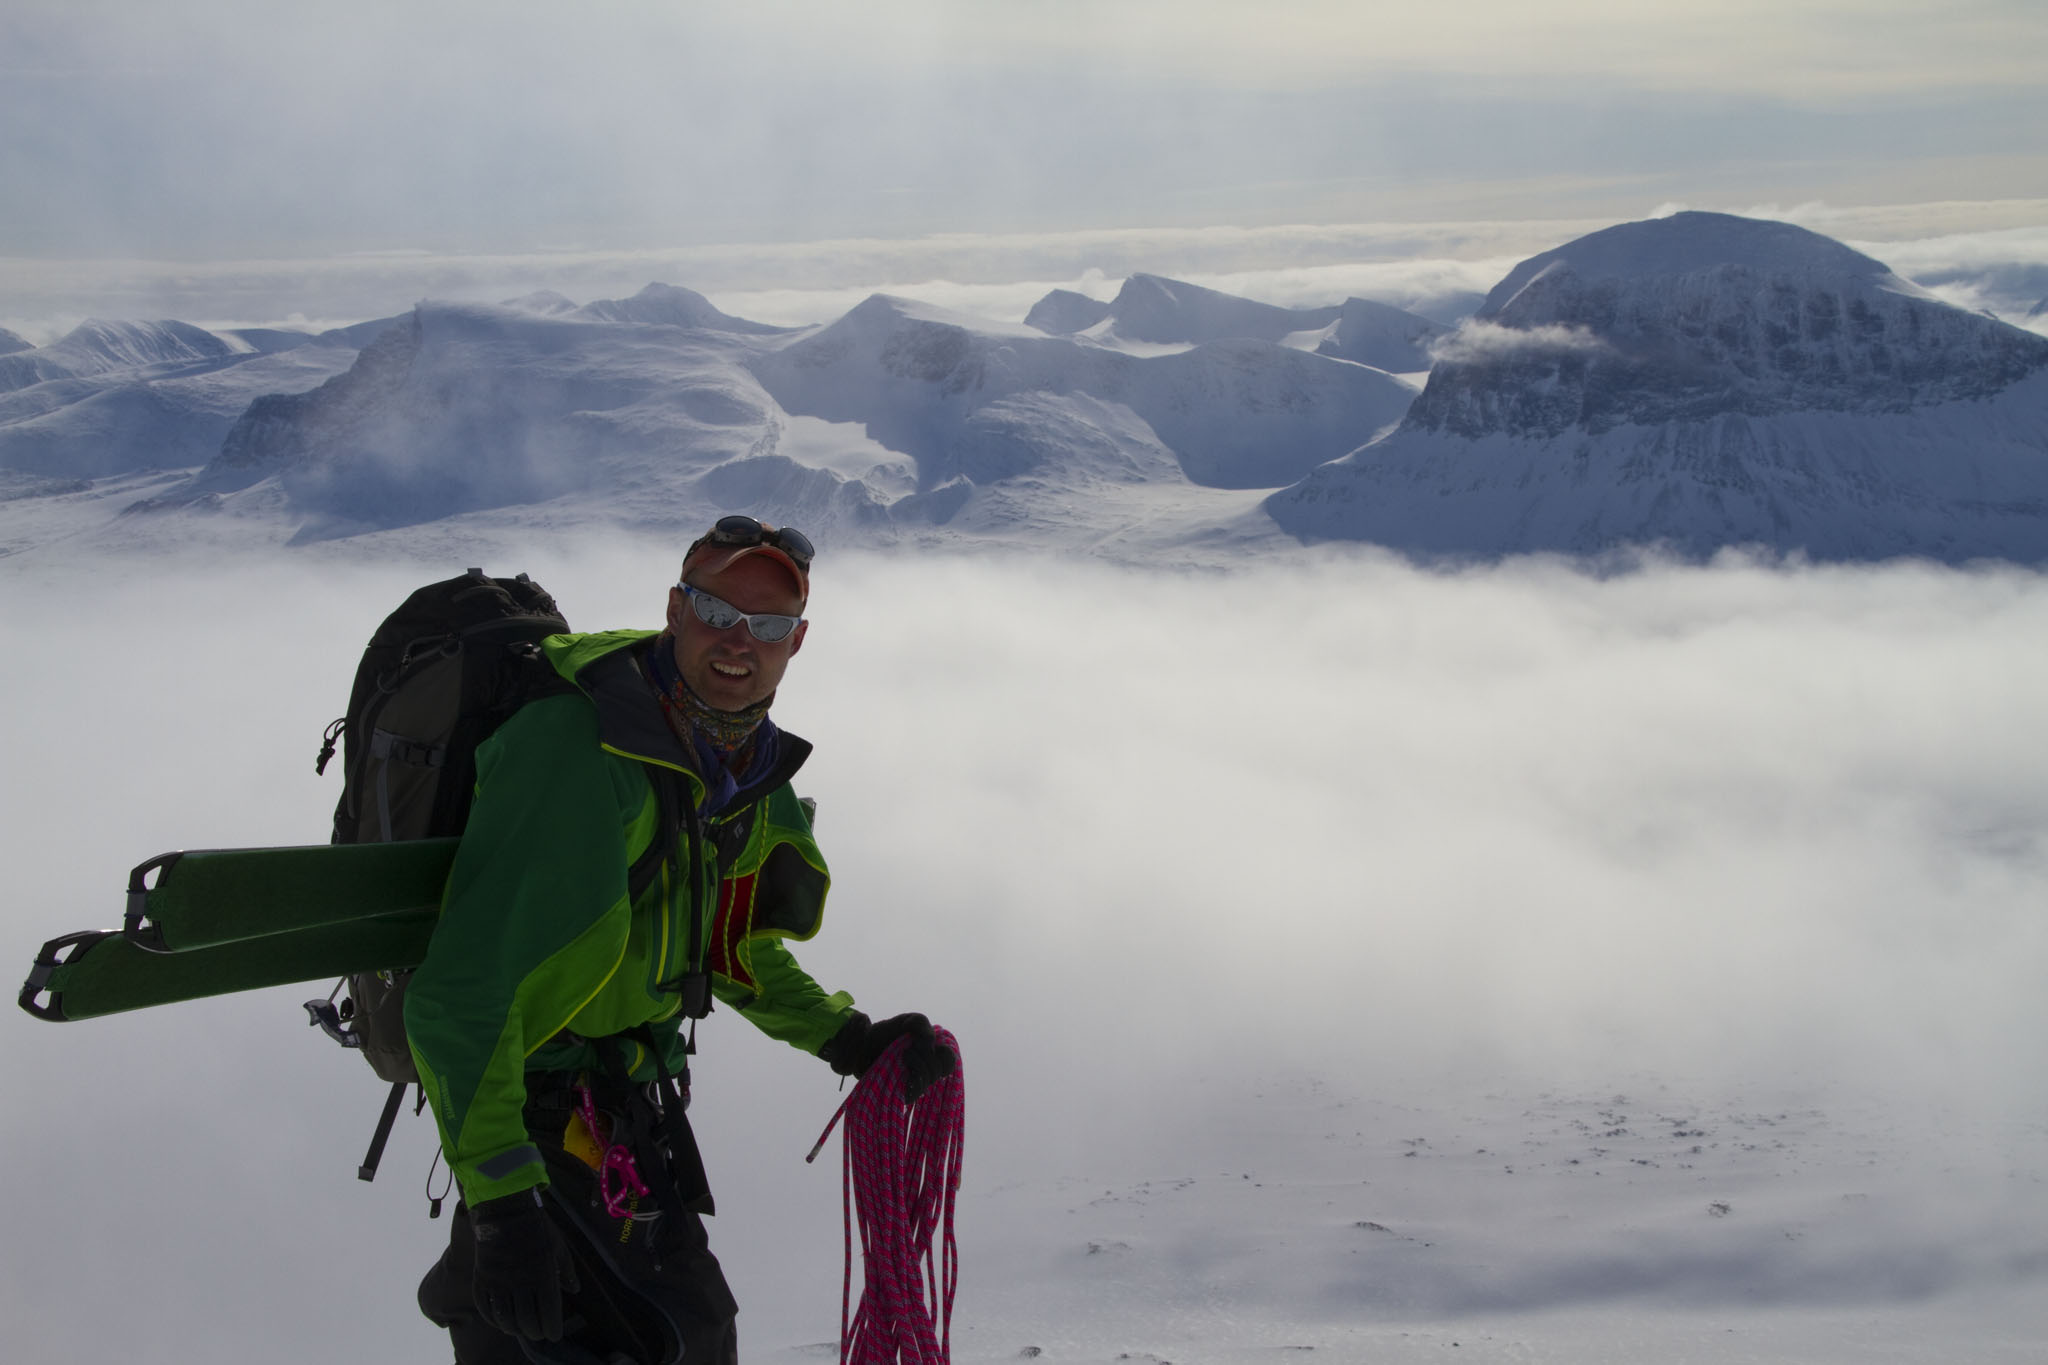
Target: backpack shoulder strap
<point x="668" y="800"/>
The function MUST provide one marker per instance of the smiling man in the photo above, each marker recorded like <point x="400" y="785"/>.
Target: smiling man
<point x="634" y="852"/>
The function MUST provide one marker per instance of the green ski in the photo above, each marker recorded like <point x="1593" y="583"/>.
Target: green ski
<point x="209" y="897"/>
<point x="224" y="920"/>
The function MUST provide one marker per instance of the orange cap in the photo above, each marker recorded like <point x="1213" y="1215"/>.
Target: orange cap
<point x="712" y="558"/>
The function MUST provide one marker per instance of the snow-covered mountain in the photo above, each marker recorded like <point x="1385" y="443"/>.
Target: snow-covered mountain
<point x="897" y="416"/>
<point x="466" y="407"/>
<point x="1383" y="336"/>
<point x="97" y="347"/>
<point x="112" y="397"/>
<point x="967" y="398"/>
<point x="1156" y="311"/>
<point x="1699" y="380"/>
<point x="1064" y="312"/>
<point x="1163" y="311"/>
<point x="666" y="305"/>
<point x="11" y="342"/>
<point x="1705" y="380"/>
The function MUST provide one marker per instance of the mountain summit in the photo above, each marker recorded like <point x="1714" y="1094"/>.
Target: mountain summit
<point x="1704" y="380"/>
<point x="1702" y="314"/>
<point x="1156" y="311"/>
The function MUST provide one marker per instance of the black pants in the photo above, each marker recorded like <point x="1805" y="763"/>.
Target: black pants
<point x="650" y="1291"/>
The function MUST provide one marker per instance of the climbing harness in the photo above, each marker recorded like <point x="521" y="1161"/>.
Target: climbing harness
<point x="902" y="1173"/>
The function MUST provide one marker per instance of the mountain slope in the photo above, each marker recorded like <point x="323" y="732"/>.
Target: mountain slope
<point x="669" y="305"/>
<point x="963" y="396"/>
<point x="468" y="406"/>
<point x="1704" y="380"/>
<point x="895" y="418"/>
<point x="1156" y="311"/>
<point x="1382" y="336"/>
<point x="1064" y="312"/>
<point x="114" y="397"/>
<point x="97" y="346"/>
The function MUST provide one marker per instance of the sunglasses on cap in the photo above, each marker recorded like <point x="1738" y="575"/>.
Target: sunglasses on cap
<point x="719" y="614"/>
<point x="742" y="531"/>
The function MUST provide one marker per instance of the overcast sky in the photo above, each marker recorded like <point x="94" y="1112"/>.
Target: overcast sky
<point x="234" y="128"/>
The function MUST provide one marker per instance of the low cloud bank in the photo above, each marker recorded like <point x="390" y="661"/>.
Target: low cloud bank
<point x="1473" y="341"/>
<point x="1422" y="266"/>
<point x="1143" y="840"/>
<point x="1514" y="815"/>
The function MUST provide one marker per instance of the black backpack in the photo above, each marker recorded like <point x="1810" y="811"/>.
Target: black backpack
<point x="440" y="675"/>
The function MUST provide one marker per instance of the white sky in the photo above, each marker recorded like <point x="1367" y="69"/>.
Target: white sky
<point x="236" y="128"/>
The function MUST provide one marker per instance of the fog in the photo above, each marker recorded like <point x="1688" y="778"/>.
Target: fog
<point x="1147" y="842"/>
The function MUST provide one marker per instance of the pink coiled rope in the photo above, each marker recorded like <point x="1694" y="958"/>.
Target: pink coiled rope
<point x="902" y="1173"/>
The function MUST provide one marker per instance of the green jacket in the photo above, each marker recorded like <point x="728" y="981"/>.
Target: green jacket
<point x="540" y="945"/>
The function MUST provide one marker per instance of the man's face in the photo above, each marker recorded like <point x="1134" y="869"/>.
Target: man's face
<point x="729" y="669"/>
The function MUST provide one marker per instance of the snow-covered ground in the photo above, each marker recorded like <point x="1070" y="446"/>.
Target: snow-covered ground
<point x="1352" y="963"/>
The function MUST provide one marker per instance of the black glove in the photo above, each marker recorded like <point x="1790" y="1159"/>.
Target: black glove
<point x="860" y="1042"/>
<point x="522" y="1266"/>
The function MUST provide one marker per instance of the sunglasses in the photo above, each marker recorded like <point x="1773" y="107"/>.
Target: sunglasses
<point x="744" y="530"/>
<point x="719" y="614"/>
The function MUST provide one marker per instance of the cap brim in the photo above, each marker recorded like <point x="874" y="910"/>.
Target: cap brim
<point x="719" y="558"/>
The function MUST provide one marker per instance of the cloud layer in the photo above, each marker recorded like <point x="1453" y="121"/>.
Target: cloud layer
<point x="1474" y="340"/>
<point x="1135" y="837"/>
<point x="1995" y="249"/>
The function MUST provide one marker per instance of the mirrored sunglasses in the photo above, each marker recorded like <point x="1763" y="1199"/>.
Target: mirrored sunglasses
<point x="719" y="614"/>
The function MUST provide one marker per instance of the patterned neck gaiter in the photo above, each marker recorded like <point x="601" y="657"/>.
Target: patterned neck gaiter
<point x="726" y="732"/>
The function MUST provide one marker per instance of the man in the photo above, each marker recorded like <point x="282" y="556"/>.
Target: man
<point x="634" y="851"/>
